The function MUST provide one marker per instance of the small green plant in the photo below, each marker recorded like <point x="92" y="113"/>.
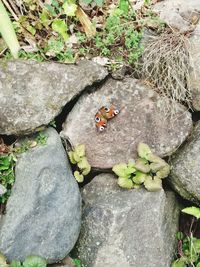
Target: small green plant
<point x="7" y="178"/>
<point x="148" y="169"/>
<point x="188" y="246"/>
<point x="41" y="138"/>
<point x="77" y="262"/>
<point x="30" y="261"/>
<point x="78" y="158"/>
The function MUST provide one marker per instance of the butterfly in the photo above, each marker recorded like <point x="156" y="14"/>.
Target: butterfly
<point x="103" y="115"/>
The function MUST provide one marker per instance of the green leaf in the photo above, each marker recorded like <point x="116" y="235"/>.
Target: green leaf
<point x="124" y="6"/>
<point x="15" y="263"/>
<point x="79" y="177"/>
<point x="84" y="166"/>
<point x="152" y="184"/>
<point x="139" y="177"/>
<point x="144" y="151"/>
<point x="70" y="8"/>
<point x="142" y="165"/>
<point x="99" y="2"/>
<point x="71" y="157"/>
<point x="164" y="172"/>
<point x="198" y="264"/>
<point x="80" y="150"/>
<point x="196" y="244"/>
<point x="179" y="263"/>
<point x="76" y="157"/>
<point x="7" y="31"/>
<point x="87" y="1"/>
<point x="125" y="183"/>
<point x="179" y="235"/>
<point x="77" y="262"/>
<point x="194" y="211"/>
<point x="122" y="170"/>
<point x="34" y="261"/>
<point x="60" y="26"/>
<point x="31" y="29"/>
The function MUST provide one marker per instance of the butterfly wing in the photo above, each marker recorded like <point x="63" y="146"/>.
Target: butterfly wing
<point x="109" y="112"/>
<point x="101" y="122"/>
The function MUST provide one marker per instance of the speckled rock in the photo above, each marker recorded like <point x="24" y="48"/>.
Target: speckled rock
<point x="33" y="93"/>
<point x="43" y="213"/>
<point x="126" y="228"/>
<point x="179" y="14"/>
<point x="185" y="173"/>
<point x="195" y="68"/>
<point x="140" y="120"/>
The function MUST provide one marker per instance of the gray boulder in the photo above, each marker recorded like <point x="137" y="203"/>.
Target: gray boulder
<point x="33" y="93"/>
<point x="43" y="213"/>
<point x="126" y="227"/>
<point x="185" y="172"/>
<point x="140" y="120"/>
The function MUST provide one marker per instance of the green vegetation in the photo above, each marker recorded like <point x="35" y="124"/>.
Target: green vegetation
<point x="148" y="169"/>
<point x="77" y="262"/>
<point x="7" y="31"/>
<point x="7" y="177"/>
<point x="8" y="161"/>
<point x="78" y="158"/>
<point x="188" y="246"/>
<point x="30" y="261"/>
<point x="66" y="30"/>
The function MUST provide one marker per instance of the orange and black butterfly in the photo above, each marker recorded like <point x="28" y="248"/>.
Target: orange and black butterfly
<point x="103" y="115"/>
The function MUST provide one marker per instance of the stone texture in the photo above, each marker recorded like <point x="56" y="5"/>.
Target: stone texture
<point x="195" y="68"/>
<point x="126" y="227"/>
<point x="140" y="120"/>
<point x="179" y="14"/>
<point x="66" y="262"/>
<point x="185" y="173"/>
<point x="33" y="93"/>
<point x="43" y="213"/>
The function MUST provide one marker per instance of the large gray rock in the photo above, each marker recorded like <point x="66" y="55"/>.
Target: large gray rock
<point x="185" y="172"/>
<point x="126" y="228"/>
<point x="43" y="213"/>
<point x="33" y="93"/>
<point x="140" y="120"/>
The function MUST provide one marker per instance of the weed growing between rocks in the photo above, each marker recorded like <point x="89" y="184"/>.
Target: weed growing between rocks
<point x="77" y="157"/>
<point x="148" y="169"/>
<point x="188" y="245"/>
<point x="30" y="261"/>
<point x="166" y="64"/>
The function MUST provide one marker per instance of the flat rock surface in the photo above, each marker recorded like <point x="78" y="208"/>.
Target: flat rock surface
<point x="126" y="227"/>
<point x="185" y="172"/>
<point x="140" y="120"/>
<point x="43" y="213"/>
<point x="33" y="93"/>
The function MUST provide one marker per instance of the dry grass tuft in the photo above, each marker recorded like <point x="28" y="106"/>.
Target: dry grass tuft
<point x="166" y="64"/>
